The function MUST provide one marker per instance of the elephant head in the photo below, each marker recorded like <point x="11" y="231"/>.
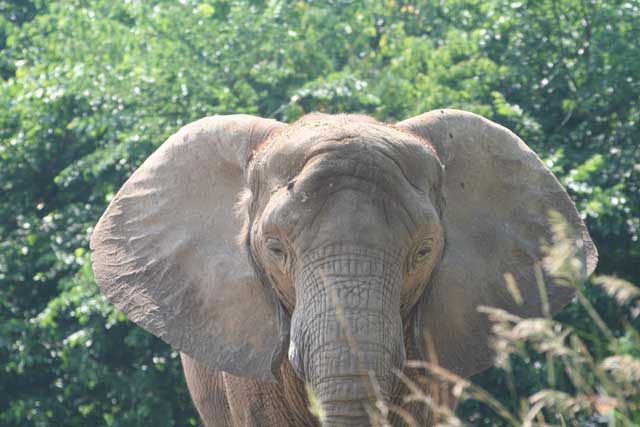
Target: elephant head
<point x="336" y="241"/>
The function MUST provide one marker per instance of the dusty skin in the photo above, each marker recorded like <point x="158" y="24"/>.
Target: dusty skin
<point x="329" y="251"/>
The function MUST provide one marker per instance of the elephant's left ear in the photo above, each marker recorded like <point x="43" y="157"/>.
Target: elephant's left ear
<point x="165" y="250"/>
<point x="497" y="198"/>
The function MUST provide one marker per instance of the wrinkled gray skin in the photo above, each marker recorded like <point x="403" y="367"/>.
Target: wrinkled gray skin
<point x="348" y="233"/>
<point x="352" y="229"/>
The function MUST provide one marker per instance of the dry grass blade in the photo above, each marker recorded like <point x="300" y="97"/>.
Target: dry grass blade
<point x="472" y="390"/>
<point x="405" y="415"/>
<point x="534" y="329"/>
<point x="566" y="406"/>
<point x="498" y="314"/>
<point x="621" y="290"/>
<point x="559" y="400"/>
<point x="314" y="404"/>
<point x="563" y="255"/>
<point x="502" y="326"/>
<point x="623" y="367"/>
<point x="513" y="288"/>
<point x="416" y="394"/>
<point x="511" y="332"/>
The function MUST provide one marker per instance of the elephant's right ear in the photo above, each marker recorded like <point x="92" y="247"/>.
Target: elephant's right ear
<point x="165" y="250"/>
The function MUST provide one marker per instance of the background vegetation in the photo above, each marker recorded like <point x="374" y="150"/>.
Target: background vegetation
<point x="88" y="89"/>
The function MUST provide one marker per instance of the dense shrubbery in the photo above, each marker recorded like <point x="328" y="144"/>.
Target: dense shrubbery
<point x="88" y="88"/>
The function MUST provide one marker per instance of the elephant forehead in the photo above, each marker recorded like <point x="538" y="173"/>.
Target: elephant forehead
<point x="288" y="153"/>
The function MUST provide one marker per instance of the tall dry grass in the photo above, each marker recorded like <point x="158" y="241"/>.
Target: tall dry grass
<point x="599" y="372"/>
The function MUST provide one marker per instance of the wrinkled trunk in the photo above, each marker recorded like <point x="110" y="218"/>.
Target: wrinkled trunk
<point x="346" y="332"/>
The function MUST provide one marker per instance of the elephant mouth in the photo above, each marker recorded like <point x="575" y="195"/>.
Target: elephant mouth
<point x="346" y="330"/>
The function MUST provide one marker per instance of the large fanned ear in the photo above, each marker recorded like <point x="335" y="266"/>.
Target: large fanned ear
<point x="497" y="197"/>
<point x="166" y="251"/>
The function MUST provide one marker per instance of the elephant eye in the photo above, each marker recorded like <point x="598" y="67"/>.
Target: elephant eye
<point x="423" y="250"/>
<point x="276" y="248"/>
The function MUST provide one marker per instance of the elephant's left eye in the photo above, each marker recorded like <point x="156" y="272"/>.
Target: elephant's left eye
<point x="423" y="250"/>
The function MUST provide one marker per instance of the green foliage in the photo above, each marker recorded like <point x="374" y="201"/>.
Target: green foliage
<point x="88" y="88"/>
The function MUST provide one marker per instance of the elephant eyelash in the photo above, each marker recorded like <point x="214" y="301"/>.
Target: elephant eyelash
<point x="420" y="253"/>
<point x="277" y="252"/>
<point x="276" y="248"/>
<point x="425" y="247"/>
<point x="424" y="252"/>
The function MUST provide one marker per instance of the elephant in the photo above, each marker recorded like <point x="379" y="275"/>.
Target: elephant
<point x="325" y="253"/>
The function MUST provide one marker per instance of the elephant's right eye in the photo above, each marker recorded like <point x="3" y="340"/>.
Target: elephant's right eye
<point x="276" y="248"/>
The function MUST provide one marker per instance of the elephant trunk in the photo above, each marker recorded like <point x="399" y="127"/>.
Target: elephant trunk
<point x="346" y="331"/>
